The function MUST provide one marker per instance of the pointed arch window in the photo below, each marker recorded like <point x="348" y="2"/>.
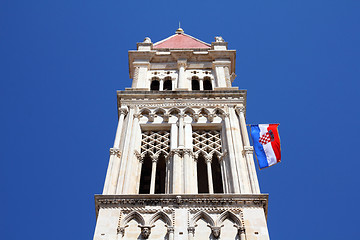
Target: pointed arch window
<point x="155" y="147"/>
<point x="207" y="150"/>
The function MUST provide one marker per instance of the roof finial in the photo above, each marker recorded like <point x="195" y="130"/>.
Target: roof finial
<point x="179" y="30"/>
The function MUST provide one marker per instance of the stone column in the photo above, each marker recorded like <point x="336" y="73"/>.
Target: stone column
<point x="171" y="232"/>
<point x="153" y="176"/>
<point x="201" y="83"/>
<point x="115" y="153"/>
<point x="231" y="156"/>
<point x="181" y="131"/>
<point x="129" y="172"/>
<point x="181" y="77"/>
<point x="191" y="233"/>
<point x="173" y="146"/>
<point x="242" y="171"/>
<point x="117" y="171"/>
<point x="224" y="174"/>
<point x="125" y="147"/>
<point x="209" y="173"/>
<point x="161" y="85"/>
<point x="242" y="233"/>
<point x="188" y="160"/>
<point x="177" y="184"/>
<point x="248" y="152"/>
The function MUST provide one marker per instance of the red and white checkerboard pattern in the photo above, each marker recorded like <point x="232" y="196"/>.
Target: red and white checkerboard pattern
<point x="265" y="138"/>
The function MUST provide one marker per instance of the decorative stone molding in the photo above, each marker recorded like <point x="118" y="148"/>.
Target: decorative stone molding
<point x="232" y="77"/>
<point x="151" y="117"/>
<point x="155" y="143"/>
<point x="216" y="201"/>
<point x="181" y="152"/>
<point x="121" y="230"/>
<point x="123" y="111"/>
<point x="222" y="157"/>
<point x="210" y="117"/>
<point x="182" y="63"/>
<point x="191" y="230"/>
<point x="166" y="117"/>
<point x="248" y="150"/>
<point x="138" y="156"/>
<point x="115" y="151"/>
<point x="137" y="115"/>
<point x="207" y="143"/>
<point x="241" y="229"/>
<point x="239" y="110"/>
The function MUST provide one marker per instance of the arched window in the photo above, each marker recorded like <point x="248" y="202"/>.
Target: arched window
<point x="195" y="83"/>
<point x="167" y="84"/>
<point x="160" y="175"/>
<point x="216" y="175"/>
<point x="202" y="176"/>
<point x="155" y="84"/>
<point x="207" y="83"/>
<point x="145" y="175"/>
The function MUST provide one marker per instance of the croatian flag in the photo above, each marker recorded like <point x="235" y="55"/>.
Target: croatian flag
<point x="266" y="144"/>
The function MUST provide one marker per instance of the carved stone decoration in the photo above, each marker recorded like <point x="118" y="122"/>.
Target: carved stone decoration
<point x="191" y="230"/>
<point x="170" y="229"/>
<point x="155" y="143"/>
<point x="248" y="150"/>
<point x="207" y="143"/>
<point x="240" y="109"/>
<point x="121" y="230"/>
<point x="219" y="39"/>
<point x="138" y="156"/>
<point x="123" y="110"/>
<point x="145" y="231"/>
<point x="181" y="152"/>
<point x="115" y="151"/>
<point x="241" y="230"/>
<point x="147" y="40"/>
<point x="215" y="231"/>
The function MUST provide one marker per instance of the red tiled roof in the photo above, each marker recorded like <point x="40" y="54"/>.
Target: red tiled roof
<point x="181" y="41"/>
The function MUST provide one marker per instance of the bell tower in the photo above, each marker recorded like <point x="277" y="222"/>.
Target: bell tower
<point x="181" y="167"/>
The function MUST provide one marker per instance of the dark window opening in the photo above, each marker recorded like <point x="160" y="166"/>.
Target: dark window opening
<point x="207" y="85"/>
<point x="216" y="175"/>
<point x="168" y="85"/>
<point x="160" y="175"/>
<point x="195" y="84"/>
<point x="155" y="85"/>
<point x="145" y="176"/>
<point x="202" y="177"/>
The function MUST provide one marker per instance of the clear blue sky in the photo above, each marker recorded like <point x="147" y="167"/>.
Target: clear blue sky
<point x="61" y="63"/>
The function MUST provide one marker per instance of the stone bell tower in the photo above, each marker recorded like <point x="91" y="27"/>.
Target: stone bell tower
<point x="181" y="167"/>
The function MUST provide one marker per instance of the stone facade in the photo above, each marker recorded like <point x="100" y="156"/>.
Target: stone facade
<point x="181" y="166"/>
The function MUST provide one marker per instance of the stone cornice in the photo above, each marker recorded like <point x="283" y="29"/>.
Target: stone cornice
<point x="182" y="200"/>
<point x="173" y="54"/>
<point x="208" y="94"/>
<point x="166" y="99"/>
